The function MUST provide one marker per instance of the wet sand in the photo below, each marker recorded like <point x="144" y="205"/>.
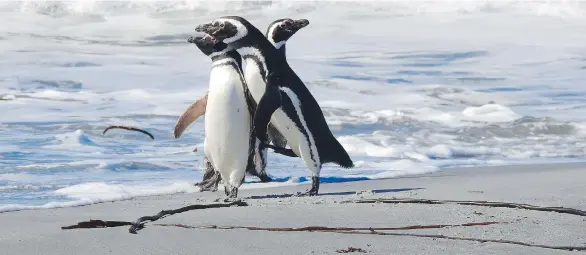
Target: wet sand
<point x="546" y="185"/>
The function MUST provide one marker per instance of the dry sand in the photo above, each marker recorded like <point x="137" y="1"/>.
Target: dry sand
<point x="39" y="231"/>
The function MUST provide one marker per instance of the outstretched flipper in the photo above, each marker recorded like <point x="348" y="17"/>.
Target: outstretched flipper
<point x="282" y="151"/>
<point x="190" y="115"/>
<point x="268" y="104"/>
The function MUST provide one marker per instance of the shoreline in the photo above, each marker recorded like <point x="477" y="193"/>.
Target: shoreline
<point x="188" y="187"/>
<point x="552" y="185"/>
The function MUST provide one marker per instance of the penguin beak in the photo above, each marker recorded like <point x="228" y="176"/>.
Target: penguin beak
<point x="301" y="23"/>
<point x="204" y="28"/>
<point x="203" y="40"/>
<point x="209" y="40"/>
<point x="197" y="37"/>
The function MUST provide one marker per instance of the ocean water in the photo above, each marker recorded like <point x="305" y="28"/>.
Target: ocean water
<point x="408" y="87"/>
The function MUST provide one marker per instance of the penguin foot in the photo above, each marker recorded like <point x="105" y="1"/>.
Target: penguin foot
<point x="314" y="188"/>
<point x="309" y="193"/>
<point x="265" y="178"/>
<point x="231" y="200"/>
<point x="210" y="181"/>
<point x="207" y="186"/>
<point x="232" y="192"/>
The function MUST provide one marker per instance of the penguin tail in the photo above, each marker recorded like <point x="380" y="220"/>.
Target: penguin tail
<point x="334" y="152"/>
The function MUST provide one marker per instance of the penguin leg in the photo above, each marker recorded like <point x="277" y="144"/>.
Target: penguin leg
<point x="227" y="189"/>
<point x="257" y="159"/>
<point x="260" y="162"/>
<point x="265" y="178"/>
<point x="313" y="190"/>
<point x="216" y="181"/>
<point x="211" y="178"/>
<point x="211" y="184"/>
<point x="312" y="161"/>
<point x="232" y="192"/>
<point x="307" y="146"/>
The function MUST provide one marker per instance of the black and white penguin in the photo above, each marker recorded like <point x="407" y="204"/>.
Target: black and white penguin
<point x="278" y="32"/>
<point x="229" y="116"/>
<point x="282" y="97"/>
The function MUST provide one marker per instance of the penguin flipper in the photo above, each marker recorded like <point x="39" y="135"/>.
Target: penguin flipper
<point x="335" y="153"/>
<point x="282" y="151"/>
<point x="190" y="115"/>
<point x="267" y="105"/>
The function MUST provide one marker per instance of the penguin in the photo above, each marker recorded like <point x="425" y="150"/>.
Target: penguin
<point x="282" y="97"/>
<point x="278" y="32"/>
<point x="229" y="116"/>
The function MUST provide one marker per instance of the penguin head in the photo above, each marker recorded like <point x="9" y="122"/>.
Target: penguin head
<point x="207" y="44"/>
<point x="282" y="29"/>
<point x="227" y="29"/>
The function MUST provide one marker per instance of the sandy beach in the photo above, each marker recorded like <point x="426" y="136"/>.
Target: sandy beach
<point x="553" y="185"/>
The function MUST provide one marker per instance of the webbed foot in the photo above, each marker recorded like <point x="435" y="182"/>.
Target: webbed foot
<point x="314" y="188"/>
<point x="231" y="200"/>
<point x="231" y="192"/>
<point x="265" y="178"/>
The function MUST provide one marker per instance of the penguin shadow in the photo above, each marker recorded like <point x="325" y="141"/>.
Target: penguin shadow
<point x="326" y="179"/>
<point x="341" y="193"/>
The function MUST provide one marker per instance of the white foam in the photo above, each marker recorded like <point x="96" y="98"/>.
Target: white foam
<point x="76" y="140"/>
<point x="20" y="207"/>
<point x="102" y="192"/>
<point x="8" y="97"/>
<point x="402" y="168"/>
<point x="97" y="192"/>
<point x="445" y="151"/>
<point x="357" y="146"/>
<point x="92" y="193"/>
<point x="490" y="113"/>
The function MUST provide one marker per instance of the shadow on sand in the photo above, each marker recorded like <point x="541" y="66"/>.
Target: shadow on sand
<point x="341" y="193"/>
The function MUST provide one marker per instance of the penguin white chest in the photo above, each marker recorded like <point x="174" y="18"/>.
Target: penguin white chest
<point x="280" y="120"/>
<point x="227" y="124"/>
<point x="254" y="79"/>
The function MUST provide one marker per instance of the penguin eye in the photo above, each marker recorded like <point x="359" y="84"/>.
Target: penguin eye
<point x="288" y="22"/>
<point x="222" y="25"/>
